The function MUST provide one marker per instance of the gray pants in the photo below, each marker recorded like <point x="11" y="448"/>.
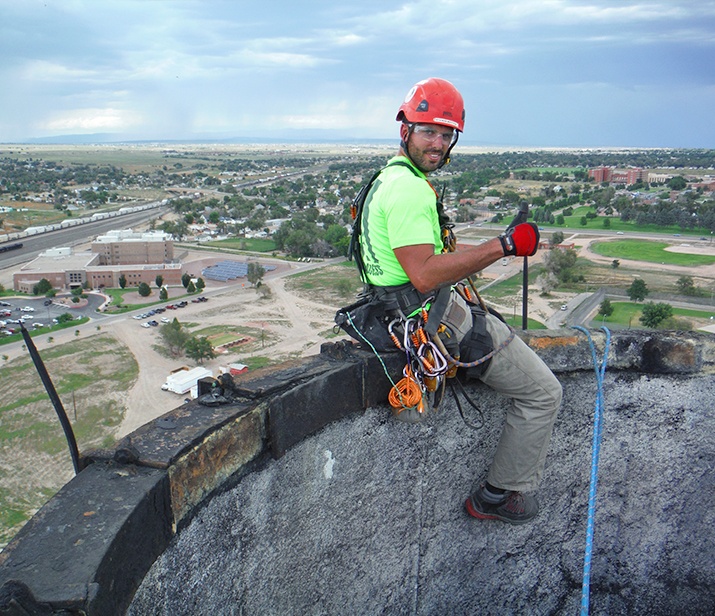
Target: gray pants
<point x="516" y="371"/>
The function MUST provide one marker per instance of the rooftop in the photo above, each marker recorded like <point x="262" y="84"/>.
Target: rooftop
<point x="304" y="495"/>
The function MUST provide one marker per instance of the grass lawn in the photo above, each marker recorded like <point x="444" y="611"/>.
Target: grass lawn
<point x="241" y="243"/>
<point x="627" y="314"/>
<point x="653" y="252"/>
<point x="516" y="322"/>
<point x="616" y="224"/>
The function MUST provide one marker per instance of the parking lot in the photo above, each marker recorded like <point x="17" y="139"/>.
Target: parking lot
<point x="160" y="310"/>
<point x="39" y="312"/>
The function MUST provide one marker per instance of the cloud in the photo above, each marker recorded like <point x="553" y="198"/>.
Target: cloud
<point x="89" y="120"/>
<point x="47" y="70"/>
<point x="175" y="68"/>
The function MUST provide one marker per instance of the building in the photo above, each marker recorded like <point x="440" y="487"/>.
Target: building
<point x="611" y="175"/>
<point x="129" y="248"/>
<point x="62" y="268"/>
<point x="139" y="257"/>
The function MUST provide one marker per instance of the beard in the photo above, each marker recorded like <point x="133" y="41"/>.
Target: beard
<point x="426" y="159"/>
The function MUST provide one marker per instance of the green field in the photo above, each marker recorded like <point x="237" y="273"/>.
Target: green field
<point x="651" y="251"/>
<point x="616" y="224"/>
<point x="627" y="314"/>
<point x="241" y="243"/>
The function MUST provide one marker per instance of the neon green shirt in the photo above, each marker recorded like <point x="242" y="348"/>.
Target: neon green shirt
<point x="400" y="210"/>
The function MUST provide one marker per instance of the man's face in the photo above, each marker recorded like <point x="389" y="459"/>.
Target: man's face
<point x="427" y="144"/>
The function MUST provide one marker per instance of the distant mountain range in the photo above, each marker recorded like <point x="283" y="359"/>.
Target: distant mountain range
<point x="285" y="136"/>
<point x="297" y="136"/>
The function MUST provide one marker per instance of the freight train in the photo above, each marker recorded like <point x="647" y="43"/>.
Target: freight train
<point x="14" y="246"/>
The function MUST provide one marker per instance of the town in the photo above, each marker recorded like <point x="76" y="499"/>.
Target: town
<point x="256" y="215"/>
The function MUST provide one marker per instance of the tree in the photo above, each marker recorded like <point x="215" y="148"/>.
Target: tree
<point x="163" y="294"/>
<point x="122" y="281"/>
<point x="638" y="290"/>
<point x="200" y="284"/>
<point x="255" y="273"/>
<point x="191" y="287"/>
<point x="42" y="287"/>
<point x="199" y="349"/>
<point x="677" y="183"/>
<point x="606" y="223"/>
<point x="185" y="279"/>
<point x="159" y="281"/>
<point x="615" y="263"/>
<point x="144" y="289"/>
<point x="174" y="337"/>
<point x="65" y="317"/>
<point x="561" y="263"/>
<point x="606" y="308"/>
<point x="556" y="238"/>
<point x="654" y="314"/>
<point x="686" y="286"/>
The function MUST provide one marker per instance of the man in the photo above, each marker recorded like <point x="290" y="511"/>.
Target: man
<point x="401" y="251"/>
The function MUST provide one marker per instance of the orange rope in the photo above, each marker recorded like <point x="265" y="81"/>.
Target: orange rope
<point x="406" y="394"/>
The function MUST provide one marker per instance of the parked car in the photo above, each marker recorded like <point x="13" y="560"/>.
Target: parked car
<point x="165" y="320"/>
<point x="153" y="323"/>
<point x="27" y="309"/>
<point x="146" y="325"/>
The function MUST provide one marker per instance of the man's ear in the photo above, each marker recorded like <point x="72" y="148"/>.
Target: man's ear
<point x="404" y="131"/>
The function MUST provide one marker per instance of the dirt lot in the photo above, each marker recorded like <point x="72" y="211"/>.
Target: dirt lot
<point x="108" y="373"/>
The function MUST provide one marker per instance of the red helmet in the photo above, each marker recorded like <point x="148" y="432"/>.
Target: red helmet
<point x="433" y="101"/>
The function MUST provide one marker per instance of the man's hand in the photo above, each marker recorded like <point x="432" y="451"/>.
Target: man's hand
<point x="522" y="240"/>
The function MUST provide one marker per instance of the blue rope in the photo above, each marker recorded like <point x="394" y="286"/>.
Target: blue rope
<point x="595" y="450"/>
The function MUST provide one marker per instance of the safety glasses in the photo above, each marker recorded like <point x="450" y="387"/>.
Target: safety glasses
<point x="430" y="133"/>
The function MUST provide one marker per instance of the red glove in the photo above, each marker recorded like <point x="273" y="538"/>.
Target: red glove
<point x="522" y="240"/>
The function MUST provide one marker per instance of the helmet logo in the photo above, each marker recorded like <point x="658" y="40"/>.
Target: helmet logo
<point x="410" y="94"/>
<point x="423" y="106"/>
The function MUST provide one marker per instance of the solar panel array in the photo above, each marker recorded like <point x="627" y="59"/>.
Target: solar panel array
<point x="229" y="270"/>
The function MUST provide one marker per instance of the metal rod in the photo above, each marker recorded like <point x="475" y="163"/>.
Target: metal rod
<point x="525" y="296"/>
<point x="55" y="399"/>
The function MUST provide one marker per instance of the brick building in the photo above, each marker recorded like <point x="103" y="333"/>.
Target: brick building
<point x="140" y="257"/>
<point x="129" y="248"/>
<point x="610" y="175"/>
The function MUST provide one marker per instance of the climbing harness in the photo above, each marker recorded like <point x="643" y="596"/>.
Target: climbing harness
<point x="415" y="325"/>
<point x="600" y="369"/>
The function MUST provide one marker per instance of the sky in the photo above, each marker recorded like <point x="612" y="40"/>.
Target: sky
<point x="533" y="73"/>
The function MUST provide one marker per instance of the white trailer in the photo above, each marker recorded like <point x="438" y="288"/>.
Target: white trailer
<point x="184" y="381"/>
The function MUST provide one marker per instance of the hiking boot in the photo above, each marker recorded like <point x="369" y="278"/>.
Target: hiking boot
<point x="514" y="508"/>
